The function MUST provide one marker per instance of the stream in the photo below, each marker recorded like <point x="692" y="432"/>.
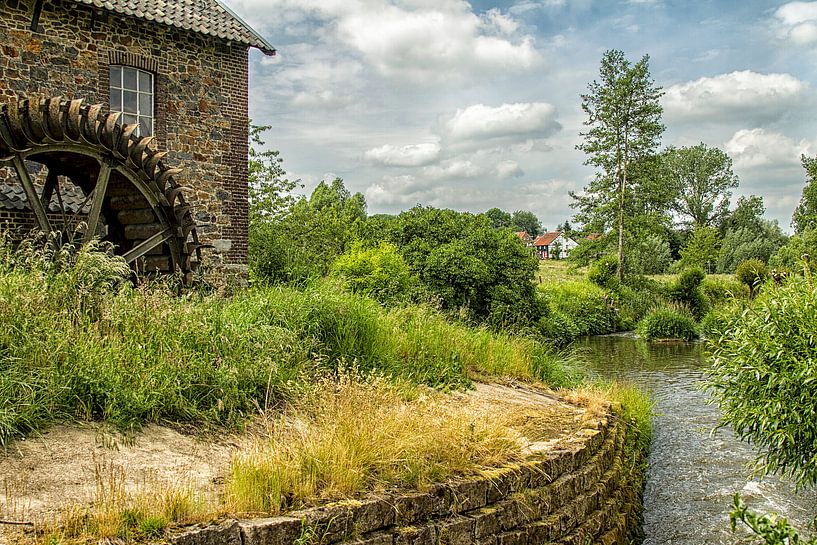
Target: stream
<point x="693" y="471"/>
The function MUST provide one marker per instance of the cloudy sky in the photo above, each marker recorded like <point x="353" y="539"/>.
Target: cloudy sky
<point x="475" y="105"/>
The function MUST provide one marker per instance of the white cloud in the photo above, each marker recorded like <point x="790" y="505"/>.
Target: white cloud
<point x="519" y="121"/>
<point x="456" y="168"/>
<point x="752" y="148"/>
<point x="411" y="155"/>
<point x="508" y="169"/>
<point x="743" y="94"/>
<point x="797" y="22"/>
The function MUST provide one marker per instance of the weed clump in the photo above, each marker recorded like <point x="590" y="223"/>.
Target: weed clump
<point x="666" y="323"/>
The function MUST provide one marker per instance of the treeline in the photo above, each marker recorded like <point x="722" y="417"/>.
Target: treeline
<point x="661" y="210"/>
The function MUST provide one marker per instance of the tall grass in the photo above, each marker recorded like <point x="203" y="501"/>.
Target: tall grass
<point x="78" y="341"/>
<point x="352" y="435"/>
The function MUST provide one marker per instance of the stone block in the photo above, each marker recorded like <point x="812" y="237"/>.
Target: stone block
<point x="372" y="515"/>
<point x="467" y="495"/>
<point x="412" y="507"/>
<point x="327" y="524"/>
<point x="271" y="531"/>
<point x="416" y="535"/>
<point x="456" y="530"/>
<point x="226" y="533"/>
<point x="376" y="538"/>
<point x="486" y="522"/>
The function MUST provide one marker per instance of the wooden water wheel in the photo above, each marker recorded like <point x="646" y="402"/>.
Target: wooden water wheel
<point x="130" y="196"/>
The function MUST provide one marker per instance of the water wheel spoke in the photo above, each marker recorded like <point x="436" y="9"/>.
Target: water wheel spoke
<point x="96" y="204"/>
<point x="149" y="244"/>
<point x="31" y="194"/>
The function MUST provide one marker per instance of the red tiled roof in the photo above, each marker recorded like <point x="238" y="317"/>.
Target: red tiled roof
<point x="546" y="239"/>
<point x="522" y="234"/>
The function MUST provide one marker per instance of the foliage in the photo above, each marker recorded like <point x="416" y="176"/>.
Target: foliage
<point x="753" y="273"/>
<point x="304" y="242"/>
<point x="77" y="343"/>
<point x="589" y="250"/>
<point x="764" y="377"/>
<point x="687" y="292"/>
<point x="742" y="244"/>
<point x="805" y="216"/>
<point x="380" y="273"/>
<point x="523" y="220"/>
<point x="800" y="250"/>
<point x="702" y="180"/>
<point x="772" y="529"/>
<point x="667" y="323"/>
<point x="604" y="272"/>
<point x="576" y="309"/>
<point x="467" y="265"/>
<point x="270" y="192"/>
<point x="500" y="219"/>
<point x="747" y="235"/>
<point x="624" y="120"/>
<point x="701" y="249"/>
<point x="647" y="253"/>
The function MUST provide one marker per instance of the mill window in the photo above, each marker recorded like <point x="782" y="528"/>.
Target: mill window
<point x="132" y="94"/>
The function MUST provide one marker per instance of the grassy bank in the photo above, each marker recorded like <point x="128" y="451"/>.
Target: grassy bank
<point x="71" y="346"/>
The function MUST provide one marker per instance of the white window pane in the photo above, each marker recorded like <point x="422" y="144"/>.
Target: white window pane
<point x="116" y="100"/>
<point x="145" y="126"/>
<point x="129" y="102"/>
<point x="145" y="104"/>
<point x="129" y="78"/>
<point x="116" y="76"/>
<point x="128" y="119"/>
<point x="145" y="81"/>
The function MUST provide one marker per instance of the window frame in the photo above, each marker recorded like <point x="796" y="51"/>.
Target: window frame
<point x="118" y="89"/>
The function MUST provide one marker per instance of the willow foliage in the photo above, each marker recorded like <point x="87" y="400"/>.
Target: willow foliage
<point x="764" y="376"/>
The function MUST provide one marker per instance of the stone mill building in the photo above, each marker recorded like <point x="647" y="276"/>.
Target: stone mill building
<point x="94" y="92"/>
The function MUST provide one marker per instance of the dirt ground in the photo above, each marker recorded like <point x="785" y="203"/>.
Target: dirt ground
<point x="41" y="474"/>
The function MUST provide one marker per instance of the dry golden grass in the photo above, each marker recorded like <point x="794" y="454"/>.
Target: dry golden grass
<point x="351" y="435"/>
<point x="119" y="511"/>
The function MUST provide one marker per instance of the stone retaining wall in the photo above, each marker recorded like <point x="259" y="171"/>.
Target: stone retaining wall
<point x="576" y="496"/>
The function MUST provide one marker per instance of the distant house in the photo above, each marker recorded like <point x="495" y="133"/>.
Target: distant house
<point x="553" y="245"/>
<point x="525" y="237"/>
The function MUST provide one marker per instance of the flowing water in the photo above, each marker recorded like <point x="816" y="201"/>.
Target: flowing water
<point x="693" y="471"/>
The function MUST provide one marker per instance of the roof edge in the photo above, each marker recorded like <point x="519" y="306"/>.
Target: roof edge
<point x="268" y="48"/>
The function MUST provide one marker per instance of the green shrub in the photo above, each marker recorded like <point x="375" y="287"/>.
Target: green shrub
<point x="687" y="292"/>
<point x="380" y="273"/>
<point x="604" y="272"/>
<point x="764" y="377"/>
<point x="752" y="273"/>
<point x="667" y="323"/>
<point x="577" y="309"/>
<point x="721" y="290"/>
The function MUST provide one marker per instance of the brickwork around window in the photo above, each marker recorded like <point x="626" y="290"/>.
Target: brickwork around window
<point x="200" y="97"/>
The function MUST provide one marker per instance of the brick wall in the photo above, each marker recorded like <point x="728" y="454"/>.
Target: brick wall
<point x="200" y="102"/>
<point x="586" y="494"/>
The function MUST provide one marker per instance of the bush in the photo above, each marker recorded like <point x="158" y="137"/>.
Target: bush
<point x="686" y="291"/>
<point x="721" y="290"/>
<point x="577" y="309"/>
<point x="604" y="273"/>
<point x="764" y="377"/>
<point x="752" y="273"/>
<point x="380" y="273"/>
<point x="667" y="323"/>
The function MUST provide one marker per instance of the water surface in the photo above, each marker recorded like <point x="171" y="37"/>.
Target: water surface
<point x="693" y="471"/>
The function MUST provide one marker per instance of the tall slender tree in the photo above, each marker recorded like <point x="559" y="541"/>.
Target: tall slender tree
<point x="624" y="120"/>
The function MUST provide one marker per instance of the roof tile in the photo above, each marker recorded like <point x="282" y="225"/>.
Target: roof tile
<point x="210" y="17"/>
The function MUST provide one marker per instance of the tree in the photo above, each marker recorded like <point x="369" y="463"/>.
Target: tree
<point x="746" y="235"/>
<point x="702" y="180"/>
<point x="499" y="218"/>
<point x="624" y="116"/>
<point x="522" y="220"/>
<point x="806" y="213"/>
<point x="701" y="249"/>
<point x="270" y="191"/>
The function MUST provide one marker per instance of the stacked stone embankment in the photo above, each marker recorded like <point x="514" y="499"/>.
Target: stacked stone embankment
<point x="585" y="494"/>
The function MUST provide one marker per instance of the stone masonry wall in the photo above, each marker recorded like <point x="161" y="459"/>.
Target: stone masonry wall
<point x="200" y="96"/>
<point x="572" y="497"/>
